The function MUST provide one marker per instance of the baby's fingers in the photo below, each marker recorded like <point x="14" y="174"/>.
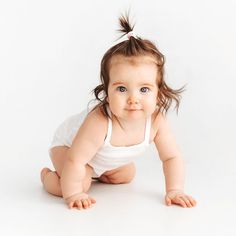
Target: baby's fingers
<point x="189" y="201"/>
<point x="79" y="204"/>
<point x="86" y="203"/>
<point x="192" y="201"/>
<point x="176" y="200"/>
<point x="186" y="200"/>
<point x="76" y="204"/>
<point x="92" y="200"/>
<point x="168" y="201"/>
<point x="70" y="205"/>
<point x="180" y="201"/>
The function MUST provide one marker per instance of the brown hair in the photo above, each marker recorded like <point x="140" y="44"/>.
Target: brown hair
<point x="133" y="47"/>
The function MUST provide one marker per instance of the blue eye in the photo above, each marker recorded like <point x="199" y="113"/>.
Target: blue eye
<point x="144" y="89"/>
<point x="121" y="89"/>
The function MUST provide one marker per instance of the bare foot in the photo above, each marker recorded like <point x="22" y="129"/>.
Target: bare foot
<point x="44" y="171"/>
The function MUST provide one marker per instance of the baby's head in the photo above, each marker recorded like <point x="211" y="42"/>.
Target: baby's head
<point x="135" y="51"/>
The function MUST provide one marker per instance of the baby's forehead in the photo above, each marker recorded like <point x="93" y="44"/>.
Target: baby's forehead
<point x="132" y="60"/>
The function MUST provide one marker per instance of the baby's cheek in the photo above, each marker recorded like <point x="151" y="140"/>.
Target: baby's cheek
<point x="151" y="102"/>
<point x="114" y="107"/>
<point x="151" y="106"/>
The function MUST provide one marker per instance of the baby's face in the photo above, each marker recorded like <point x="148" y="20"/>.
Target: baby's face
<point x="132" y="90"/>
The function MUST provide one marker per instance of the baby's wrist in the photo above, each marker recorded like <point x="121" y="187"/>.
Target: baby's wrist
<point x="176" y="190"/>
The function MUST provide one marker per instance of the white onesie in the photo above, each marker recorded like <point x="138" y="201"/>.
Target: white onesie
<point x="108" y="157"/>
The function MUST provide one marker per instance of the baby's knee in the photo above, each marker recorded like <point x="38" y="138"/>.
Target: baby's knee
<point x="121" y="179"/>
<point x="127" y="179"/>
<point x="130" y="174"/>
<point x="124" y="176"/>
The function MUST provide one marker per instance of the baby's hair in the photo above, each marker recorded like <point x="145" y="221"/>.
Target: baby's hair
<point x="135" y="46"/>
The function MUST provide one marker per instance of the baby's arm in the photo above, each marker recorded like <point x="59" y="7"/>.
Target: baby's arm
<point x="173" y="165"/>
<point x="89" y="138"/>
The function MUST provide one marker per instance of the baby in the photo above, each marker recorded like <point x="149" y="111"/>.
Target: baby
<point x="133" y="99"/>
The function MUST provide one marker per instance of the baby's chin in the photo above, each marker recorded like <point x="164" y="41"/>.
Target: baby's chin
<point x="134" y="114"/>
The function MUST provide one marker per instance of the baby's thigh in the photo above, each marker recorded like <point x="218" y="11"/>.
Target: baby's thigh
<point x="59" y="156"/>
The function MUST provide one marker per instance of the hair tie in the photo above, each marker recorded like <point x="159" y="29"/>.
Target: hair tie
<point x="131" y="34"/>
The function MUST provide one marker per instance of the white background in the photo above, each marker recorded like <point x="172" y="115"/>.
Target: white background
<point x="50" y="54"/>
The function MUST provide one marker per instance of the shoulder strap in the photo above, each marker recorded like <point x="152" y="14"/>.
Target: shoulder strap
<point x="109" y="128"/>
<point x="147" y="130"/>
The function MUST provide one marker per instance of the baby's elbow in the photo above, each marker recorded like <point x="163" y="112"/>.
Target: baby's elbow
<point x="75" y="162"/>
<point x="175" y="158"/>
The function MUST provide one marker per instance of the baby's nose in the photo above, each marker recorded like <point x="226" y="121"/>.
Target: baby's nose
<point x="133" y="100"/>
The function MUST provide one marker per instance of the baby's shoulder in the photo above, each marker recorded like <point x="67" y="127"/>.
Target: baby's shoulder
<point x="96" y="118"/>
<point x="93" y="128"/>
<point x="157" y="120"/>
<point x="92" y="131"/>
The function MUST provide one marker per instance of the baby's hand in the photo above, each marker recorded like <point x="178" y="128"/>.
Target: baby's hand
<point x="179" y="198"/>
<point x="80" y="201"/>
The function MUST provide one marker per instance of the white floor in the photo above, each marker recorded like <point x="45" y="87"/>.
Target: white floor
<point x="132" y="209"/>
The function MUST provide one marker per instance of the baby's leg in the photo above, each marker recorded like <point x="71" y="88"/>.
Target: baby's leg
<point x="121" y="175"/>
<point x="51" y="179"/>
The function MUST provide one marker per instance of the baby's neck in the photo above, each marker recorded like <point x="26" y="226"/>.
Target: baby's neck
<point x="129" y="125"/>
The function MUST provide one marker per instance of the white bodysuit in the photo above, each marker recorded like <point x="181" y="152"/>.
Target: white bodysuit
<point x="108" y="157"/>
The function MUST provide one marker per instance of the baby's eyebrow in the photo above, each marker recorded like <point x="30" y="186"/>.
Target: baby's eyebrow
<point x="148" y="85"/>
<point x="117" y="83"/>
<point x="142" y="84"/>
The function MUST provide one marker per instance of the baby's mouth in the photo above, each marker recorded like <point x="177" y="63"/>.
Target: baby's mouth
<point x="133" y="109"/>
